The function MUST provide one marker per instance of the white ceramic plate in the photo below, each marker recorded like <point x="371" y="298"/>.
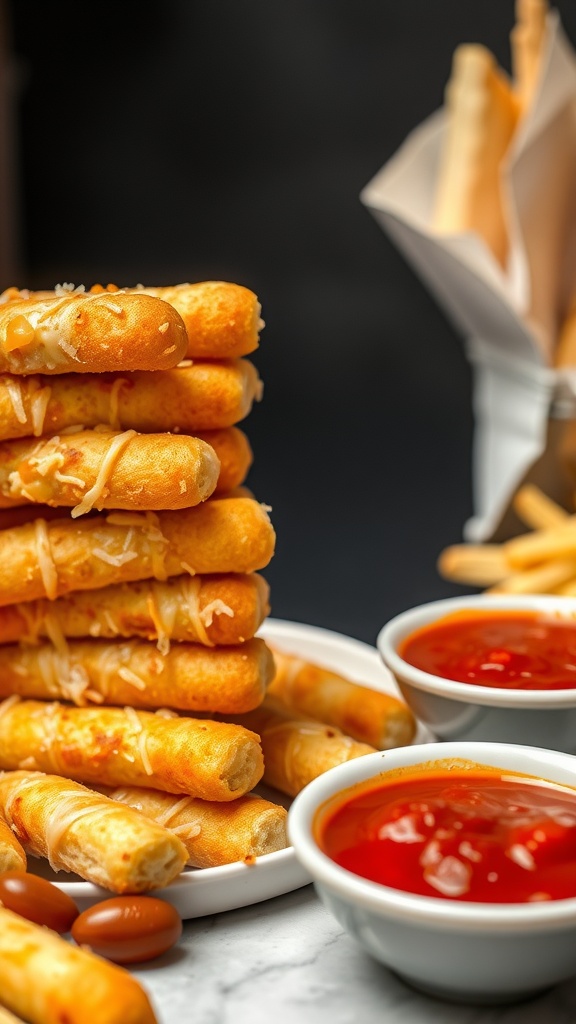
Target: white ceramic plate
<point x="196" y="893"/>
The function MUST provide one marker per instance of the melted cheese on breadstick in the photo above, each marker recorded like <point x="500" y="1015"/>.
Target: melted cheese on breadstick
<point x="45" y="560"/>
<point x="92" y="496"/>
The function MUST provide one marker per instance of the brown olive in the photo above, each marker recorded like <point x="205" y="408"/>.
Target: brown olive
<point x="37" y="900"/>
<point x="128" y="929"/>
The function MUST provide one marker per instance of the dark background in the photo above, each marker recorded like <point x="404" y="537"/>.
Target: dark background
<point x="161" y="141"/>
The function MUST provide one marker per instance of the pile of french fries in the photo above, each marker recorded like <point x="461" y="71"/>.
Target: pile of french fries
<point x="540" y="561"/>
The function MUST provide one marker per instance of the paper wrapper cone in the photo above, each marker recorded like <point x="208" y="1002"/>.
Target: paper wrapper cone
<point x="508" y="316"/>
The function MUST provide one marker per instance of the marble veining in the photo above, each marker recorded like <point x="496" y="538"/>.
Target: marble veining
<point x="287" y="961"/>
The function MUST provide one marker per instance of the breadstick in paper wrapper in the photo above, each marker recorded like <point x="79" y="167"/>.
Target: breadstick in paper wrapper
<point x="77" y="332"/>
<point x="107" y="469"/>
<point x="368" y="715"/>
<point x="117" y="747"/>
<point x="79" y="830"/>
<point x="203" y="396"/>
<point x="188" y="677"/>
<point x="527" y="40"/>
<point x="48" y="559"/>
<point x="213" y="833"/>
<point x="47" y="980"/>
<point x="482" y="114"/>
<point x="12" y="853"/>
<point x="211" y="610"/>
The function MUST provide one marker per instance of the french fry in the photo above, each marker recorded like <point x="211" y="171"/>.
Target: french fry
<point x="531" y="548"/>
<point x="527" y="43"/>
<point x="480" y="565"/>
<point x="482" y="114"/>
<point x="537" y="510"/>
<point x="542" y="579"/>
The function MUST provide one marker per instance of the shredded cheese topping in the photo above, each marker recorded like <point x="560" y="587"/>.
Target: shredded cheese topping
<point x="39" y="405"/>
<point x="46" y="562"/>
<point x="14" y="390"/>
<point x="106" y="468"/>
<point x="142" y="739"/>
<point x="113" y="414"/>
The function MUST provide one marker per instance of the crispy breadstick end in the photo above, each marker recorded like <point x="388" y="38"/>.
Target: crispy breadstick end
<point x="106" y="469"/>
<point x="79" y="830"/>
<point x="527" y="45"/>
<point x="367" y="715"/>
<point x="82" y="333"/>
<point x="211" y="610"/>
<point x="222" y="319"/>
<point x="117" y="747"/>
<point x="49" y="559"/>
<point x="187" y="399"/>
<point x="233" y="451"/>
<point x="12" y="853"/>
<point x="47" y="980"/>
<point x="482" y="114"/>
<point x="188" y="677"/>
<point x="213" y="833"/>
<point x="298" y="749"/>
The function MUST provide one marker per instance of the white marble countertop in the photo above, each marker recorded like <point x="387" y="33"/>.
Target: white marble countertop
<point x="287" y="961"/>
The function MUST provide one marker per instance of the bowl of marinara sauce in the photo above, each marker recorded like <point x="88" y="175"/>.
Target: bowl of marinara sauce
<point x="454" y="866"/>
<point x="489" y="667"/>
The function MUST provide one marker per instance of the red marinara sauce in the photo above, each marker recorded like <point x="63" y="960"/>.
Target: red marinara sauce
<point x="457" y="831"/>
<point x="516" y="650"/>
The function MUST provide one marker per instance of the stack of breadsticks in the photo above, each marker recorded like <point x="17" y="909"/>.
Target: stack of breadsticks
<point x="539" y="561"/>
<point x="129" y="585"/>
<point x="133" y="724"/>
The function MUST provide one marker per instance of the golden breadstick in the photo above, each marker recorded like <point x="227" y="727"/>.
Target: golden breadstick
<point x="233" y="451"/>
<point x="47" y="980"/>
<point x="189" y="677"/>
<point x="222" y="319"/>
<point x="537" y="510"/>
<point x="79" y="830"/>
<point x="297" y="749"/>
<point x="542" y="579"/>
<point x="367" y="715"/>
<point x="107" y="469"/>
<point x="77" y="333"/>
<point x="186" y="399"/>
<point x="479" y="565"/>
<point x="527" y="44"/>
<point x="12" y="854"/>
<point x="213" y="833"/>
<point x="531" y="548"/>
<point x="223" y="609"/>
<point x="482" y="114"/>
<point x="117" y="747"/>
<point x="42" y="559"/>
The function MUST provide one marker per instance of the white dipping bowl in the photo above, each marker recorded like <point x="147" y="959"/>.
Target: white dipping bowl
<point x="466" y="952"/>
<point x="456" y="711"/>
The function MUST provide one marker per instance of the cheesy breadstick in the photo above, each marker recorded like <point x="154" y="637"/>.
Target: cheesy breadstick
<point x="12" y="854"/>
<point x="298" y="749"/>
<point x="79" y="830"/>
<point x="47" y="980"/>
<point x="367" y="715"/>
<point x="537" y="510"/>
<point x="204" y="396"/>
<point x="480" y="565"/>
<point x="117" y="747"/>
<point x="213" y="833"/>
<point x="106" y="469"/>
<point x="188" y="677"/>
<point x="210" y="610"/>
<point x="48" y="559"/>
<point x="76" y="333"/>
<point x="222" y="319"/>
